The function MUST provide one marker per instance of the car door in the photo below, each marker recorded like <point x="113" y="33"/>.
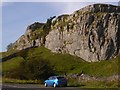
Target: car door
<point x="50" y="81"/>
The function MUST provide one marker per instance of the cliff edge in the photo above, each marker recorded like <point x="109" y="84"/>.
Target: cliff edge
<point x="92" y="33"/>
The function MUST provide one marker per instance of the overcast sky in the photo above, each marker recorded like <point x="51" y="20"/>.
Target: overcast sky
<point x="16" y="16"/>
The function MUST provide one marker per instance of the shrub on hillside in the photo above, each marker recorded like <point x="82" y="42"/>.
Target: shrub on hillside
<point x="32" y="69"/>
<point x="23" y="53"/>
<point x="9" y="46"/>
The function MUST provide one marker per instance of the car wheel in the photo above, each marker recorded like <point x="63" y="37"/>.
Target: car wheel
<point x="54" y="85"/>
<point x="45" y="84"/>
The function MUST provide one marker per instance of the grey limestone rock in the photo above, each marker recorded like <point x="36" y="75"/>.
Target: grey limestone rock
<point x="92" y="33"/>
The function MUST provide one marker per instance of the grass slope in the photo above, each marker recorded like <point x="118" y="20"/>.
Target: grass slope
<point x="65" y="63"/>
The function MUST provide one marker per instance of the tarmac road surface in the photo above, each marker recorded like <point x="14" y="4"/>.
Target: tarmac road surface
<point x="34" y="87"/>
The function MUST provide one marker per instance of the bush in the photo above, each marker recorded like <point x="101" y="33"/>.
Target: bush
<point x="23" y="53"/>
<point x="9" y="46"/>
<point x="32" y="69"/>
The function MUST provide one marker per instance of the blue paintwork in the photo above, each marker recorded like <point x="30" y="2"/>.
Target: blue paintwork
<point x="58" y="80"/>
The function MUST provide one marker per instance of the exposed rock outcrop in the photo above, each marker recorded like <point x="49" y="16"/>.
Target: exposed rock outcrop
<point x="31" y="38"/>
<point x="92" y="33"/>
<point x="86" y="78"/>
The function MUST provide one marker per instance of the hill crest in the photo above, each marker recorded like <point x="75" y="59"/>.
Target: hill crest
<point x="91" y="33"/>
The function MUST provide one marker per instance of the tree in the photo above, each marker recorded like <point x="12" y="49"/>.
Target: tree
<point x="9" y="46"/>
<point x="47" y="26"/>
<point x="23" y="53"/>
<point x="32" y="69"/>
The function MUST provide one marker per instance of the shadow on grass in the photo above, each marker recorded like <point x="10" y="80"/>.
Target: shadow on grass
<point x="76" y="85"/>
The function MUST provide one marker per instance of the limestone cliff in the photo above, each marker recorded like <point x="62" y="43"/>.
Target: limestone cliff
<point x="32" y="37"/>
<point x="92" y="33"/>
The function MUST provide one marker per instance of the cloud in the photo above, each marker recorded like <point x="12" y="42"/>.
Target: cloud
<point x="2" y="4"/>
<point x="42" y="1"/>
<point x="0" y="27"/>
<point x="70" y="7"/>
<point x="59" y="1"/>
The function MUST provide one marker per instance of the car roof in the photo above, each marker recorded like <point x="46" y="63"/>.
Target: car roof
<point x="56" y="76"/>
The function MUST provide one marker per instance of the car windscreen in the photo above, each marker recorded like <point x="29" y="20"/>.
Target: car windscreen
<point x="60" y="78"/>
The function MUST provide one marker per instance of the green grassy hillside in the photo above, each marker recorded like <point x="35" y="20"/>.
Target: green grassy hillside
<point x="62" y="64"/>
<point x="65" y="63"/>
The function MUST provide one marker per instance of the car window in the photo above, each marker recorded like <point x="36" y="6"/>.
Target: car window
<point x="50" y="78"/>
<point x="53" y="77"/>
<point x="60" y="78"/>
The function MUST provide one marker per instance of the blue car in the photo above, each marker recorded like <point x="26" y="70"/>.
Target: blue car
<point x="55" y="81"/>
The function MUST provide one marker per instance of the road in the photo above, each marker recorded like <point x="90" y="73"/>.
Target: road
<point x="34" y="87"/>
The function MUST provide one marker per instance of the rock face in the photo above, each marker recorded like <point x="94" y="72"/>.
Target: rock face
<point x="86" y="78"/>
<point x="31" y="38"/>
<point x="92" y="33"/>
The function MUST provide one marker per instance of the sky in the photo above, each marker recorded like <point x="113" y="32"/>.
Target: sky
<point x="16" y="16"/>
